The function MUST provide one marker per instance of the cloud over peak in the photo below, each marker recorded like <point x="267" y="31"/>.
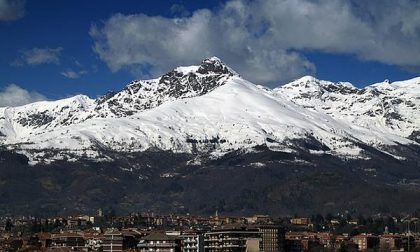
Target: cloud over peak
<point x="264" y="40"/>
<point x="157" y="44"/>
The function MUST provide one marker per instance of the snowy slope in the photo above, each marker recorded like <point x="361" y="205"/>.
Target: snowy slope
<point x="23" y="121"/>
<point x="182" y="82"/>
<point x="210" y="109"/>
<point x="388" y="108"/>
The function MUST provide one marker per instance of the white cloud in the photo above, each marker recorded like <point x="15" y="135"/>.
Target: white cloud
<point x="38" y="56"/>
<point x="71" y="74"/>
<point x="263" y="39"/>
<point x="385" y="31"/>
<point x="157" y="44"/>
<point x="11" y="10"/>
<point x="13" y="95"/>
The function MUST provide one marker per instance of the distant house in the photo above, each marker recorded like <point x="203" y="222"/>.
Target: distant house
<point x="301" y="241"/>
<point x="233" y="238"/>
<point x="366" y="241"/>
<point x="93" y="238"/>
<point x="192" y="242"/>
<point x="273" y="238"/>
<point x="116" y="241"/>
<point x="390" y="241"/>
<point x="159" y="242"/>
<point x="259" y="219"/>
<point x="44" y="239"/>
<point x="300" y="221"/>
<point x="67" y="239"/>
<point x="63" y="249"/>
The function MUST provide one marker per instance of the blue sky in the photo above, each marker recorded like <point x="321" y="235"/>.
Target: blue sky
<point x="54" y="49"/>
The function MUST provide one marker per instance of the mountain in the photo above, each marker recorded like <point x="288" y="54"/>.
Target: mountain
<point x="384" y="107"/>
<point x="209" y="109"/>
<point x="202" y="138"/>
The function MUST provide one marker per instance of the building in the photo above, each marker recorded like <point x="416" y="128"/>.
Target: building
<point x="366" y="241"/>
<point x="74" y="222"/>
<point x="115" y="240"/>
<point x="192" y="242"/>
<point x="44" y="239"/>
<point x="408" y="242"/>
<point x="233" y="238"/>
<point x="63" y="249"/>
<point x="226" y="220"/>
<point x="301" y="241"/>
<point x="272" y="238"/>
<point x="300" y="221"/>
<point x="259" y="219"/>
<point x="93" y="239"/>
<point x="294" y="246"/>
<point x="159" y="242"/>
<point x="390" y="241"/>
<point x="67" y="239"/>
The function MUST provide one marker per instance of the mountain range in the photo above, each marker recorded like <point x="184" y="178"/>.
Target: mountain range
<point x="210" y="109"/>
<point x="205" y="130"/>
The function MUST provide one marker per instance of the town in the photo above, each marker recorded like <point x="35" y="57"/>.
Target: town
<point x="107" y="232"/>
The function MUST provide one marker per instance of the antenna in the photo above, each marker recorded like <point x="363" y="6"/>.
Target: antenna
<point x="408" y="227"/>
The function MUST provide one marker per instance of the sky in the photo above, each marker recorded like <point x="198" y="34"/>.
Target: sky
<point x="55" y="49"/>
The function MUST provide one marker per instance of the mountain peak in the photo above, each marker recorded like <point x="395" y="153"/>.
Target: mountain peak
<point x="213" y="60"/>
<point x="306" y="78"/>
<point x="310" y="82"/>
<point x="182" y="82"/>
<point x="385" y="85"/>
<point x="303" y="83"/>
<point x="209" y="70"/>
<point x="214" y="65"/>
<point x="411" y="84"/>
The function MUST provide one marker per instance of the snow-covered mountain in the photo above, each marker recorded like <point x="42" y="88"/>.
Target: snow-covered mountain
<point x="387" y="108"/>
<point x="209" y="109"/>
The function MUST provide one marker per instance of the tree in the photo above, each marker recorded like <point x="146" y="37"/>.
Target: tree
<point x="9" y="225"/>
<point x="46" y="227"/>
<point x="329" y="217"/>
